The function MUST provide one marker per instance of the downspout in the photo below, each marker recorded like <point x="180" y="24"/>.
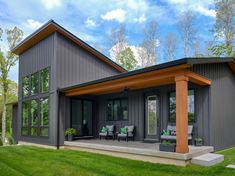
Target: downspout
<point x="58" y="119"/>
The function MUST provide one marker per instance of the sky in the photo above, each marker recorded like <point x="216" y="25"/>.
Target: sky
<point x="92" y="20"/>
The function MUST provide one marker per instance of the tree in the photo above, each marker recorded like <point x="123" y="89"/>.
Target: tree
<point x="7" y="61"/>
<point x="150" y="44"/>
<point x="187" y="30"/>
<point x="11" y="97"/>
<point x="224" y="28"/>
<point x="118" y="41"/>
<point x="170" y="46"/>
<point x="127" y="59"/>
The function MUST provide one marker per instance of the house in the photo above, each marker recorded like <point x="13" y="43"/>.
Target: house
<point x="64" y="82"/>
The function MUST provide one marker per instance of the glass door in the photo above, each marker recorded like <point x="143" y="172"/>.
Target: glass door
<point x="82" y="114"/>
<point x="152" y="118"/>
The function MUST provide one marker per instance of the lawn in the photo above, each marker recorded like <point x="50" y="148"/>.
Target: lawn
<point x="25" y="160"/>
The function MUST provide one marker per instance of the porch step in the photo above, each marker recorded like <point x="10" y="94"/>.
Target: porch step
<point x="208" y="159"/>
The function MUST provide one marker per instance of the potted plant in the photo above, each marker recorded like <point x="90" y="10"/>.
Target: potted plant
<point x="198" y="141"/>
<point x="70" y="132"/>
<point x="167" y="146"/>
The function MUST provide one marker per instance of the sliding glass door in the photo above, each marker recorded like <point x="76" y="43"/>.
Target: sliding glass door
<point x="81" y="117"/>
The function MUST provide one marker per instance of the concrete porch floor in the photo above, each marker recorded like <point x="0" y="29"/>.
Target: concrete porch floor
<point x="137" y="150"/>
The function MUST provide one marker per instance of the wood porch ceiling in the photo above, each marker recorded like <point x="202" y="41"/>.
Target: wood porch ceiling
<point x="140" y="81"/>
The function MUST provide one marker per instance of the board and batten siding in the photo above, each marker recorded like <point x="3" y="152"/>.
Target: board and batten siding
<point x="75" y="65"/>
<point x="221" y="111"/>
<point x="137" y="110"/>
<point x="36" y="58"/>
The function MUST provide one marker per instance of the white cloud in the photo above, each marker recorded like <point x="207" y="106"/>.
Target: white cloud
<point x="177" y="1"/>
<point x="33" y="24"/>
<point x="136" y="4"/>
<point x="90" y="23"/>
<point x="117" y="14"/>
<point x="50" y="4"/>
<point x="206" y="11"/>
<point x="201" y="7"/>
<point x="140" y="19"/>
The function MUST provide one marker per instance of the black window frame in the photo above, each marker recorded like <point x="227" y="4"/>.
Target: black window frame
<point x="195" y="116"/>
<point x="37" y="97"/>
<point x="120" y="118"/>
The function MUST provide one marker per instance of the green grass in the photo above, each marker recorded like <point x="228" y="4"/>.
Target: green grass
<point x="25" y="160"/>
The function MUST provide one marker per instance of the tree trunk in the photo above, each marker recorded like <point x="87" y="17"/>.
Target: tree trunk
<point x="4" y="118"/>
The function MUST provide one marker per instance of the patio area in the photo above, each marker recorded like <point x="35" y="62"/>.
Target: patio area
<point x="137" y="150"/>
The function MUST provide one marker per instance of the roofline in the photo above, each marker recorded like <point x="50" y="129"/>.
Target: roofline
<point x="70" y="36"/>
<point x="189" y="61"/>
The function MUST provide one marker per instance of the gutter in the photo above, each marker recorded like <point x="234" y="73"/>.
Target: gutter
<point x="58" y="120"/>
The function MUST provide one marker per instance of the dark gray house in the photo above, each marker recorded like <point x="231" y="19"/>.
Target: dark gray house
<point x="63" y="82"/>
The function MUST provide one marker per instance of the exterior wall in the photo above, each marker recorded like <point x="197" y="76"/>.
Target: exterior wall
<point x="221" y="108"/>
<point x="75" y="65"/>
<point x="37" y="58"/>
<point x="15" y="121"/>
<point x="137" y="110"/>
<point x="69" y="65"/>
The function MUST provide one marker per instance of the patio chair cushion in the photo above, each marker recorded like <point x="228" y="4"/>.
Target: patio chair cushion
<point x="172" y="128"/>
<point x="123" y="130"/>
<point x="104" y="130"/>
<point x="170" y="137"/>
<point x="122" y="135"/>
<point x="103" y="134"/>
<point x="130" y="128"/>
<point x="110" y="128"/>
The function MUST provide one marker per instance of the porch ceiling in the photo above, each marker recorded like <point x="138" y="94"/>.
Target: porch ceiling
<point x="139" y="81"/>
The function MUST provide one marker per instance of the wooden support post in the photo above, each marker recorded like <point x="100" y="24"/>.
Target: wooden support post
<point x="181" y="113"/>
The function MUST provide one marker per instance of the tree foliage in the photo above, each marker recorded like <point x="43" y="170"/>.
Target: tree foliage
<point x="127" y="59"/>
<point x="7" y="61"/>
<point x="170" y="46"/>
<point x="118" y="41"/>
<point x="150" y="43"/>
<point x="187" y="30"/>
<point x="12" y="94"/>
<point x="224" y="28"/>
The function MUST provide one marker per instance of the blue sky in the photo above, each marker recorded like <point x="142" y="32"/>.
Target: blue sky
<point x="92" y="20"/>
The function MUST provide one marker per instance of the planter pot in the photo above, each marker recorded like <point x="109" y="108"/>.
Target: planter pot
<point x="70" y="137"/>
<point x="198" y="143"/>
<point x="167" y="147"/>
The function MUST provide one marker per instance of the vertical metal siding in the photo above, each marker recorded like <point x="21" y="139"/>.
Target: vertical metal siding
<point x="34" y="59"/>
<point x="15" y="122"/>
<point x="75" y="65"/>
<point x="221" y="108"/>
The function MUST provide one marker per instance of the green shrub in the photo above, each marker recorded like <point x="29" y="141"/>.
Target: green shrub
<point x="10" y="139"/>
<point x="70" y="131"/>
<point x="167" y="143"/>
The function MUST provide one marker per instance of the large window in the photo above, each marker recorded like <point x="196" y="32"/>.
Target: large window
<point x="191" y="106"/>
<point x="117" y="109"/>
<point x="35" y="111"/>
<point x="44" y="80"/>
<point x="25" y="86"/>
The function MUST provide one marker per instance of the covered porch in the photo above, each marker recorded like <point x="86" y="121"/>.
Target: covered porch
<point x="137" y="151"/>
<point x="178" y="75"/>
